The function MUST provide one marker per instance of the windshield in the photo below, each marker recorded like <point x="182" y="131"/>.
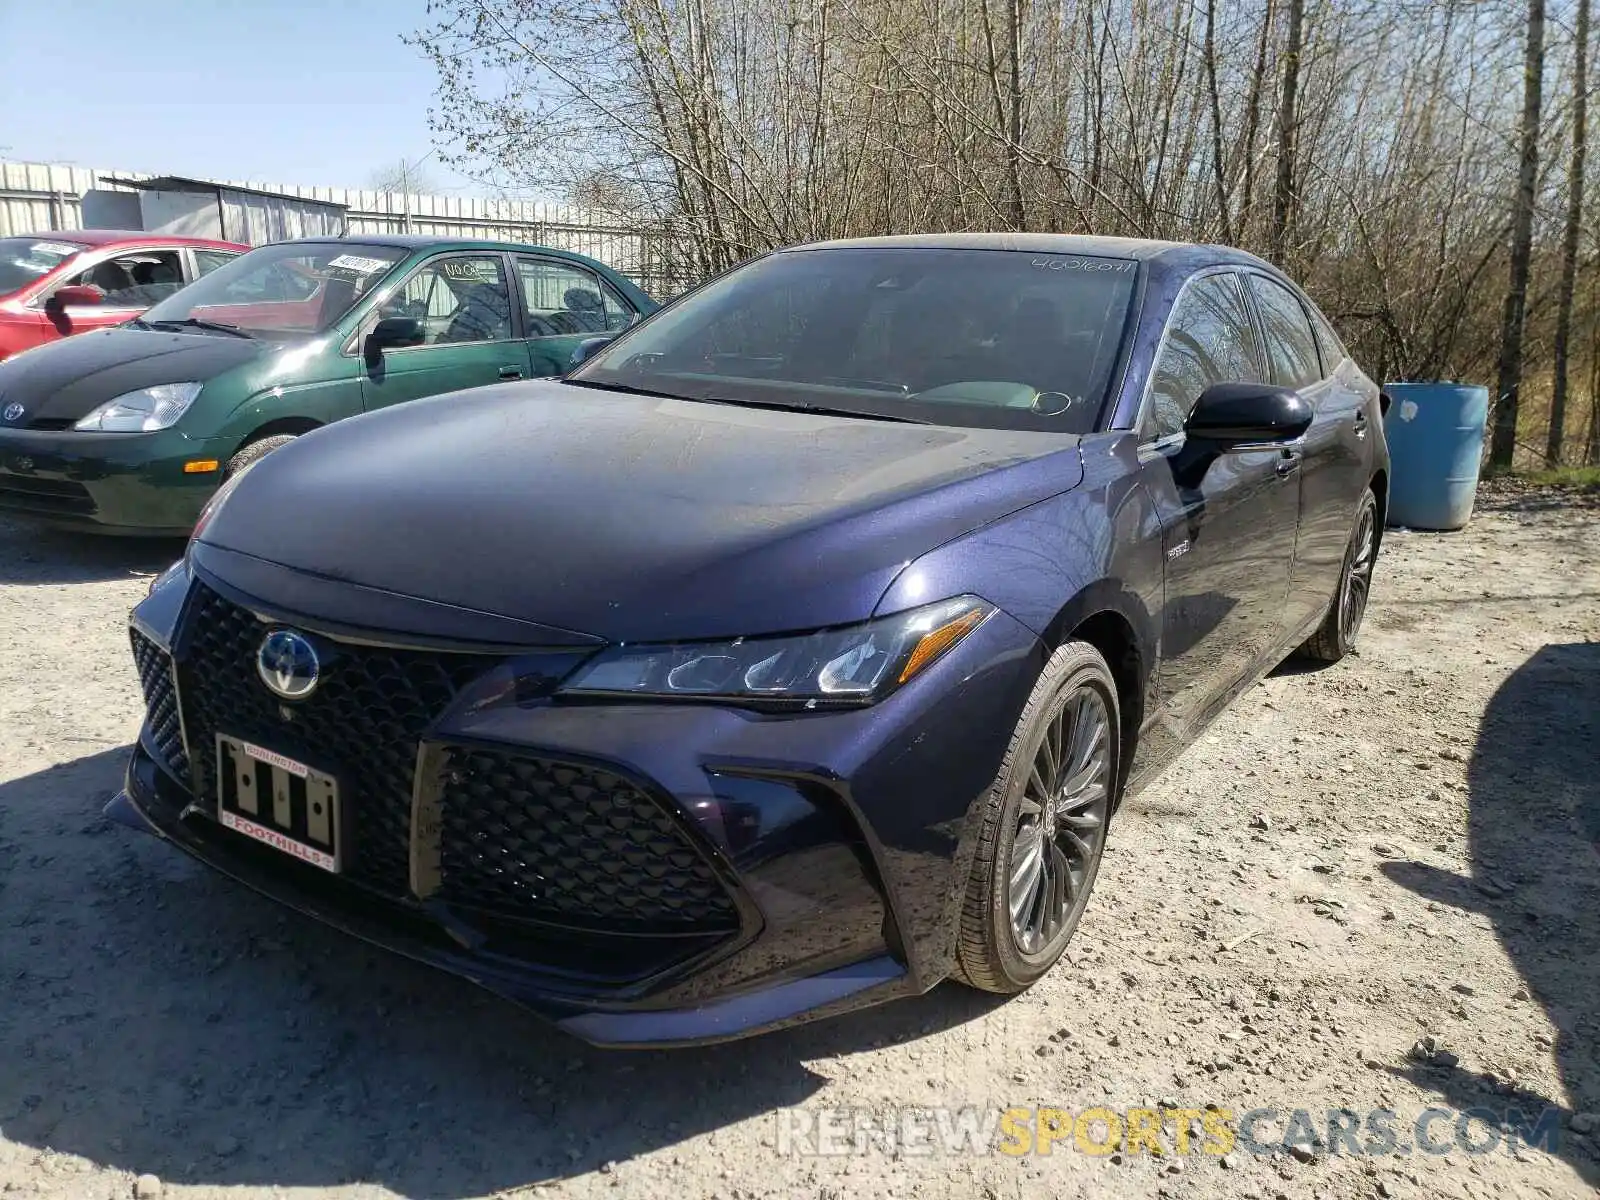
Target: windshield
<point x="280" y="292"/>
<point x="989" y="338"/>
<point x="24" y="260"/>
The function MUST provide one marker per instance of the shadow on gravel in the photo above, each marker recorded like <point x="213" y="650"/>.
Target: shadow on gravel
<point x="1534" y="834"/>
<point x="32" y="553"/>
<point x="159" y="1018"/>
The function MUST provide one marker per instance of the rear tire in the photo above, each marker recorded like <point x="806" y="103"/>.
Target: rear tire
<point x="254" y="452"/>
<point x="1337" y="635"/>
<point x="1044" y="826"/>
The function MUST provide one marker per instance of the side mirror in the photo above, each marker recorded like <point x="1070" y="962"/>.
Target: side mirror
<point x="392" y="333"/>
<point x="588" y="348"/>
<point x="76" y="295"/>
<point x="1233" y="413"/>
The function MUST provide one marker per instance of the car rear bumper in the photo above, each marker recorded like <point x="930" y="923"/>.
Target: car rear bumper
<point x="831" y="849"/>
<point x="109" y="482"/>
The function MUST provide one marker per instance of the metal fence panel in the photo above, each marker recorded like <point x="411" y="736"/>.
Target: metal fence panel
<point x="35" y="197"/>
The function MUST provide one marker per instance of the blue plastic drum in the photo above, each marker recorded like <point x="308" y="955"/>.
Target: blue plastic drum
<point x="1435" y="433"/>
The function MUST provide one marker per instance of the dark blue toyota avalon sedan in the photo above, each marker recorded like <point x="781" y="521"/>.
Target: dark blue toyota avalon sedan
<point x="790" y="654"/>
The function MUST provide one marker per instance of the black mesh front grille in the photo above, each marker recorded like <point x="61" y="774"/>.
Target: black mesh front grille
<point x="362" y="724"/>
<point x="538" y="838"/>
<point x="161" y="704"/>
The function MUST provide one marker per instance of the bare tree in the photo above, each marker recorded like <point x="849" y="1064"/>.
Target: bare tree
<point x="1569" y="241"/>
<point x="1508" y="385"/>
<point x="404" y="176"/>
<point x="1283" y="194"/>
<point x="1380" y="148"/>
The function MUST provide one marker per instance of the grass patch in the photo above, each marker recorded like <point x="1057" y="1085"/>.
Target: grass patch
<point x="1572" y="477"/>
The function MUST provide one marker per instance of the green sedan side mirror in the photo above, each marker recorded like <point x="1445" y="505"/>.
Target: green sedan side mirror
<point x="393" y="333"/>
<point x="587" y="349"/>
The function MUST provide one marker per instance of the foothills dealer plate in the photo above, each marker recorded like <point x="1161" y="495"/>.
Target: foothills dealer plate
<point x="276" y="800"/>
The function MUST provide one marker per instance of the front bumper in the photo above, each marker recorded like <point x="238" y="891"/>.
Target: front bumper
<point x="842" y="839"/>
<point x="110" y="482"/>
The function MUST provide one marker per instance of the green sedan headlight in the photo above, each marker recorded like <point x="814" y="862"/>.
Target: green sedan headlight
<point x="855" y="664"/>
<point x="143" y="411"/>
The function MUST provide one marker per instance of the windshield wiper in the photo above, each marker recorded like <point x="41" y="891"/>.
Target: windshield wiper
<point x="821" y="410"/>
<point x="777" y="406"/>
<point x="197" y="323"/>
<point x="627" y="389"/>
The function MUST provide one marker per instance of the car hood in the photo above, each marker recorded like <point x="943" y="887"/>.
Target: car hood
<point x="67" y="379"/>
<point x="631" y="518"/>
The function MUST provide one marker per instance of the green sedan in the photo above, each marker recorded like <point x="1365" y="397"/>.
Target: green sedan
<point x="131" y="429"/>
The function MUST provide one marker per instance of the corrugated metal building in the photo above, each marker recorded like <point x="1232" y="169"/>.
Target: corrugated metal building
<point x="183" y="207"/>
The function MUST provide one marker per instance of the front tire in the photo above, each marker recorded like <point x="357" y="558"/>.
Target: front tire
<point x="1044" y="826"/>
<point x="254" y="452"/>
<point x="1336" y="637"/>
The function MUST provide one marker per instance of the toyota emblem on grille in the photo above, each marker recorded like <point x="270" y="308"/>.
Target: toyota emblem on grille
<point x="287" y="664"/>
<point x="13" y="411"/>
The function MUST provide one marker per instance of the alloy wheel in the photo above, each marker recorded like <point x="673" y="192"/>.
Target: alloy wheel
<point x="1061" y="821"/>
<point x="1358" y="578"/>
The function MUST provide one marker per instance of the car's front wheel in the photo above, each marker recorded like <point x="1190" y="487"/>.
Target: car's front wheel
<point x="1044" y="827"/>
<point x="254" y="452"/>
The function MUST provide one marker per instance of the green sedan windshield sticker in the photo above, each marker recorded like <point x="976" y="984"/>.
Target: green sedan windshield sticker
<point x="356" y="263"/>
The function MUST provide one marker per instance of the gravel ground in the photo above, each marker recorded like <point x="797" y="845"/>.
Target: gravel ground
<point x="1371" y="886"/>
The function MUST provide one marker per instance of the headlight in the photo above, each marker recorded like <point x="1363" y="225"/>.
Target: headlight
<point x="143" y="411"/>
<point x="856" y="664"/>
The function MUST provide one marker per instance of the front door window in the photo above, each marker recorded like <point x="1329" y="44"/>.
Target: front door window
<point x="134" y="280"/>
<point x="457" y="300"/>
<point x="1209" y="340"/>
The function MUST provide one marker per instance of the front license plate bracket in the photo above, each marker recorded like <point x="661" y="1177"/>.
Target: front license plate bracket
<point x="279" y="801"/>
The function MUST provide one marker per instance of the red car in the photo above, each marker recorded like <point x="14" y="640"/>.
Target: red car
<point x="70" y="281"/>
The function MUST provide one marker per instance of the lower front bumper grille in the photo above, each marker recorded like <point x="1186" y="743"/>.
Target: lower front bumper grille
<point x="534" y="837"/>
<point x="535" y="965"/>
<point x="161" y="705"/>
<point x="31" y="493"/>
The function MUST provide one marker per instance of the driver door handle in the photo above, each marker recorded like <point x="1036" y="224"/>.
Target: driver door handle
<point x="510" y="372"/>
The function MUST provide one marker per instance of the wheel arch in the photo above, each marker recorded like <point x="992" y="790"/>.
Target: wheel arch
<point x="1380" y="492"/>
<point x="1115" y="623"/>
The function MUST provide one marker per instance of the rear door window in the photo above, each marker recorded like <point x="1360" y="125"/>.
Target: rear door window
<point x="1333" y="351"/>
<point x="1290" y="344"/>
<point x="1209" y="340"/>
<point x="207" y="261"/>
<point x="563" y="298"/>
